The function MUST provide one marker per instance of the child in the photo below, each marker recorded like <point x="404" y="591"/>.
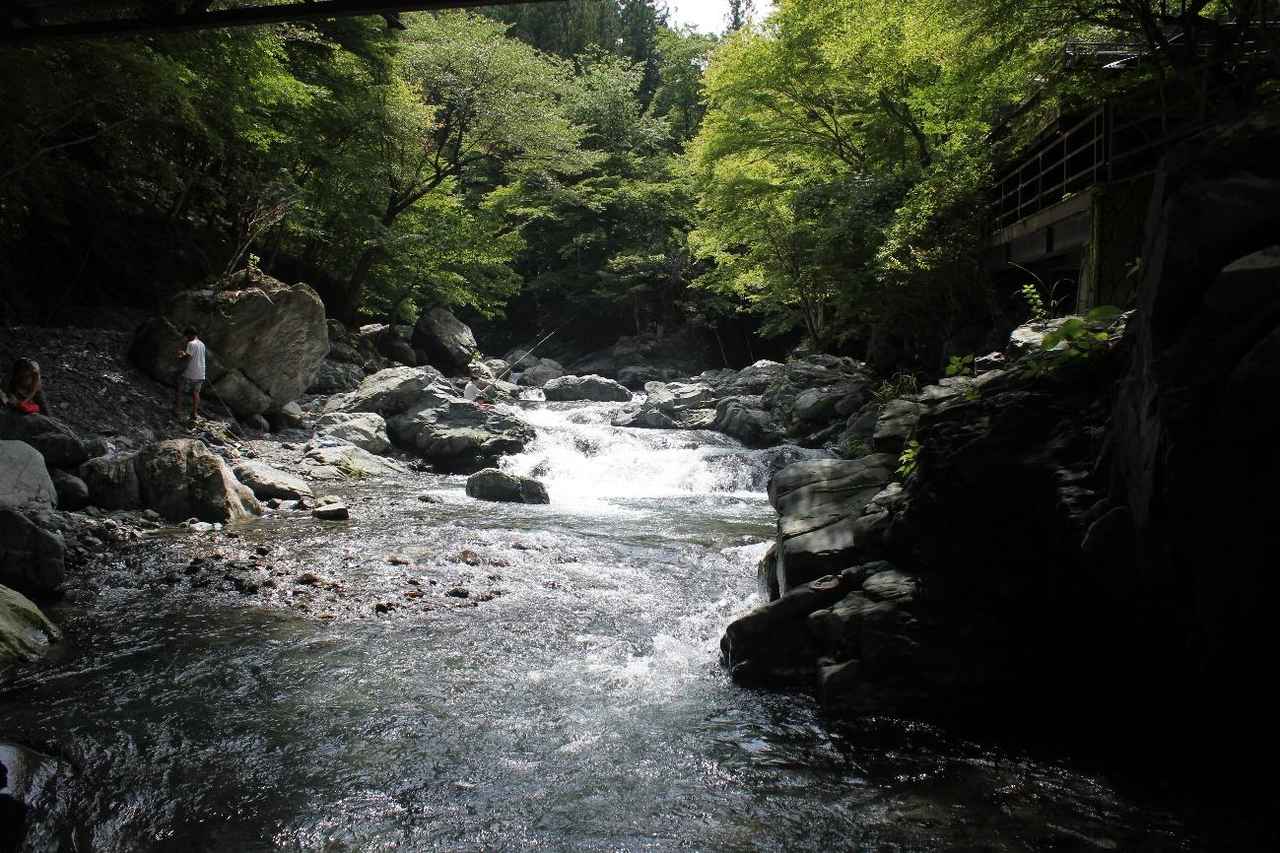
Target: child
<point x="25" y="392"/>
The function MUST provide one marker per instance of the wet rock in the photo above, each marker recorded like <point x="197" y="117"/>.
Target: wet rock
<point x="72" y="492"/>
<point x="25" y="633"/>
<point x="674" y="406"/>
<point x="538" y="374"/>
<point x="746" y="419"/>
<point x="819" y="503"/>
<point x="334" y="511"/>
<point x="267" y="482"/>
<point x="55" y="441"/>
<point x="590" y="387"/>
<point x="32" y="558"/>
<point x="25" y="480"/>
<point x="447" y="341"/>
<point x="309" y="579"/>
<point x="366" y="430"/>
<point x="494" y="485"/>
<point x="771" y="645"/>
<point x="430" y="499"/>
<point x="460" y="437"/>
<point x="459" y="592"/>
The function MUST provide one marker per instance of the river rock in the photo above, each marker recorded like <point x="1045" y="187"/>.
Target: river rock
<point x="771" y="645"/>
<point x="365" y="430"/>
<point x="271" y="335"/>
<point x="818" y="503"/>
<point x="73" y="493"/>
<point x="590" y="387"/>
<point x="332" y="511"/>
<point x="181" y="478"/>
<point x="635" y="376"/>
<point x="494" y="485"/>
<point x="25" y="479"/>
<point x="895" y="425"/>
<point x="538" y="375"/>
<point x="57" y="443"/>
<point x="267" y="482"/>
<point x="112" y="481"/>
<point x="334" y="377"/>
<point x="345" y="460"/>
<point x="674" y="406"/>
<point x="447" y="341"/>
<point x="746" y="419"/>
<point x="288" y="416"/>
<point x="460" y="436"/>
<point x="25" y="632"/>
<point x="394" y="391"/>
<point x="31" y="558"/>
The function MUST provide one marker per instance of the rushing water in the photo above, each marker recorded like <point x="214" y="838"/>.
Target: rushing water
<point x="582" y="707"/>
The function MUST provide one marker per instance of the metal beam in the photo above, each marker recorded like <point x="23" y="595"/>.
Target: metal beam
<point x="240" y="16"/>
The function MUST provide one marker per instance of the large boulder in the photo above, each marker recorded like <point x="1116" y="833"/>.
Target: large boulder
<point x="365" y="430"/>
<point x="819" y="503"/>
<point x="746" y="419"/>
<point x="113" y="481"/>
<point x="57" y="443"/>
<point x="446" y="340"/>
<point x="674" y="406"/>
<point x="334" y="377"/>
<point x="73" y="493"/>
<point x="266" y="482"/>
<point x="31" y="558"/>
<point x="895" y="425"/>
<point x="25" y="479"/>
<point x="395" y="390"/>
<point x="25" y="632"/>
<point x="272" y="336"/>
<point x="182" y="478"/>
<point x="590" y="387"/>
<point x="460" y="436"/>
<point x="494" y="485"/>
<point x="539" y="374"/>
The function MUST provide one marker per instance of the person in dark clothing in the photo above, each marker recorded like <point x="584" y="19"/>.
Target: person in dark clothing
<point x="25" y="391"/>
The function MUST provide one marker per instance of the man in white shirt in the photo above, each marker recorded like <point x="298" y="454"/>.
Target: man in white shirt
<point x="193" y="374"/>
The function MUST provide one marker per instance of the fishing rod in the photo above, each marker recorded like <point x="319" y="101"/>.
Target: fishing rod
<point x="512" y="366"/>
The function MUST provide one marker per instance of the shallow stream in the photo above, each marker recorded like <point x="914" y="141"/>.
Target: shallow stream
<point x="577" y="703"/>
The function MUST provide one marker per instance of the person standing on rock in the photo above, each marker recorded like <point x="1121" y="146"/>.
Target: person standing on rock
<point x="192" y="375"/>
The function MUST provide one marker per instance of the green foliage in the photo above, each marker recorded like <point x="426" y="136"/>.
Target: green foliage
<point x="1035" y="303"/>
<point x="1078" y="339"/>
<point x="959" y="365"/>
<point x="898" y="385"/>
<point x="854" y="448"/>
<point x="909" y="459"/>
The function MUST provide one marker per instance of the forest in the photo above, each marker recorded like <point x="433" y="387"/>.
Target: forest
<point x="816" y="175"/>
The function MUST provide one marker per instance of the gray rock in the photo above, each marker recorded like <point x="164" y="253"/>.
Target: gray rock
<point x="365" y="430"/>
<point x="447" y="341"/>
<point x="494" y="485"/>
<point x="113" y="481"/>
<point x="272" y="335"/>
<point x="674" y="406"/>
<point x="239" y="393"/>
<point x="395" y="390"/>
<point x="72" y="491"/>
<point x="181" y="478"/>
<point x="459" y="436"/>
<point x="539" y="375"/>
<point x="267" y="482"/>
<point x="590" y="387"/>
<point x="32" y="558"/>
<point x="25" y="479"/>
<point x="340" y="461"/>
<point x="745" y="419"/>
<point x="257" y="423"/>
<point x="333" y="377"/>
<point x="1029" y="337"/>
<point x="895" y="425"/>
<point x="25" y="634"/>
<point x="57" y="443"/>
<point x="288" y="416"/>
<point x="332" y="511"/>
<point x="819" y="503"/>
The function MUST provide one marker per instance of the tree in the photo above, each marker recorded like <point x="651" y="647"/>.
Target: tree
<point x="739" y="15"/>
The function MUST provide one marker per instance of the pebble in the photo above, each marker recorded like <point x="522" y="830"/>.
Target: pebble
<point x="458" y="592"/>
<point x="430" y="499"/>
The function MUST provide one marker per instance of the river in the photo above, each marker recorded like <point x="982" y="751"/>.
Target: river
<point x="573" y="701"/>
